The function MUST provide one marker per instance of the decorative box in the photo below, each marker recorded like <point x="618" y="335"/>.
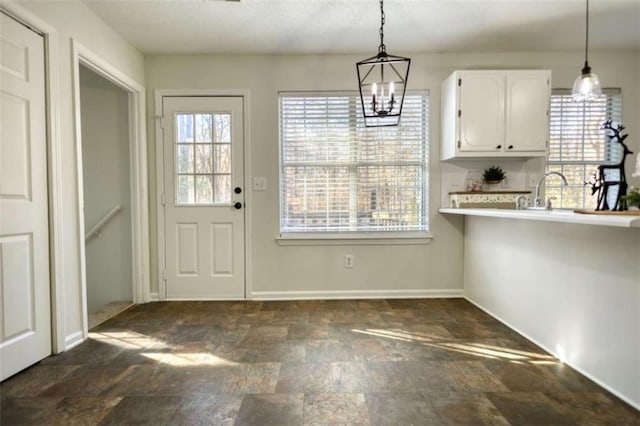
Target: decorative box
<point x="493" y="199"/>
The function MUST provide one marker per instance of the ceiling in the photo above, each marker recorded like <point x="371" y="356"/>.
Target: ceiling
<point x="350" y="26"/>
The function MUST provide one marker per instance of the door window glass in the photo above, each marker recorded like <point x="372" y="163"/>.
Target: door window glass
<point x="203" y="158"/>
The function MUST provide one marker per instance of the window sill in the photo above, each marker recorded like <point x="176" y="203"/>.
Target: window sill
<point x="355" y="239"/>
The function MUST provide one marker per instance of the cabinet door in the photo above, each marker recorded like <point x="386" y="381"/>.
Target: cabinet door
<point x="527" y="119"/>
<point x="481" y="114"/>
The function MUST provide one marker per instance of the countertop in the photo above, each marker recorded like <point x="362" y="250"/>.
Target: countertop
<point x="559" y="215"/>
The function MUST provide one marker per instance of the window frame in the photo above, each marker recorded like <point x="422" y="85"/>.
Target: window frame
<point x="553" y="165"/>
<point x="354" y="237"/>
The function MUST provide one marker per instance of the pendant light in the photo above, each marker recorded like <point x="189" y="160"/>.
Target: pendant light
<point x="587" y="85"/>
<point x="382" y="81"/>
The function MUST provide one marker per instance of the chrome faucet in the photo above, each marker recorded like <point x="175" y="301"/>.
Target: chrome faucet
<point x="537" y="202"/>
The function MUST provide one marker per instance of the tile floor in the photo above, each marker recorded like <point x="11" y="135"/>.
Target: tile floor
<point x="379" y="362"/>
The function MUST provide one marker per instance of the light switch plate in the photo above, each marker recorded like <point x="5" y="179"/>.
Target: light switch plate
<point x="259" y="183"/>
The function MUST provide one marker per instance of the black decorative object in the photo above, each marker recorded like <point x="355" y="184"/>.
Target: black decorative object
<point x="380" y="74"/>
<point x="609" y="181"/>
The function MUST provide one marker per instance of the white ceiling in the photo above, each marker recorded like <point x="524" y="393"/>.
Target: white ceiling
<point x="349" y="26"/>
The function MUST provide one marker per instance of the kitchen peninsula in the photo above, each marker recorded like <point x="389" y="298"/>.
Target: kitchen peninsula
<point x="569" y="282"/>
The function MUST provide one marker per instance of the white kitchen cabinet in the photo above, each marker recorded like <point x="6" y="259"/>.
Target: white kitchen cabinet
<point x="495" y="113"/>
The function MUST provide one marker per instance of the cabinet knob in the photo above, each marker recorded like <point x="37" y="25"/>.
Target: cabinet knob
<point x="499" y="147"/>
<point x="238" y="205"/>
<point x="510" y="147"/>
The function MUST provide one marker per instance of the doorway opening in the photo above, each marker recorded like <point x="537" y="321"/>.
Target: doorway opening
<point x="106" y="177"/>
<point x="113" y="216"/>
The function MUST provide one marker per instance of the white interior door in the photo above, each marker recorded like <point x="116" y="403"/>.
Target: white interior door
<point x="25" y="320"/>
<point x="204" y="197"/>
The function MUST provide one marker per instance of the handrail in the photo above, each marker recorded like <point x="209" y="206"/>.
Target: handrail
<point x="95" y="231"/>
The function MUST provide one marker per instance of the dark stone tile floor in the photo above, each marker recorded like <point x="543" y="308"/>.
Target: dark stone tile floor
<point x="360" y="362"/>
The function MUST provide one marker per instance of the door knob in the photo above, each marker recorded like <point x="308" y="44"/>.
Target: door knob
<point x="238" y="205"/>
<point x="237" y="190"/>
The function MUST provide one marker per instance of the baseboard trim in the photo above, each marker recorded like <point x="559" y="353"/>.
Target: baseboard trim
<point x="356" y="294"/>
<point x="626" y="399"/>
<point x="73" y="340"/>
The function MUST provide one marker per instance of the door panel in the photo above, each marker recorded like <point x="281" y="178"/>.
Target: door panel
<point x="15" y="161"/>
<point x="25" y="322"/>
<point x="222" y="249"/>
<point x="527" y="106"/>
<point x="187" y="250"/>
<point x="482" y="112"/>
<point x="204" y="231"/>
<point x="17" y="254"/>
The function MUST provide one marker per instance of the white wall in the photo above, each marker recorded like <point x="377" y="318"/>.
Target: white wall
<point x="73" y="20"/>
<point x="106" y="184"/>
<point x="276" y="269"/>
<point x="572" y="289"/>
<point x="437" y="266"/>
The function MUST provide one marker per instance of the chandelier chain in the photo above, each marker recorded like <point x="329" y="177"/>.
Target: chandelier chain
<point x="382" y="47"/>
<point x="586" y="45"/>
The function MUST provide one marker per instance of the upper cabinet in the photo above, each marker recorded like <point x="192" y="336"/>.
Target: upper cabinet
<point x="495" y="113"/>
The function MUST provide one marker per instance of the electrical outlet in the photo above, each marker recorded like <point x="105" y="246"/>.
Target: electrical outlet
<point x="348" y="261"/>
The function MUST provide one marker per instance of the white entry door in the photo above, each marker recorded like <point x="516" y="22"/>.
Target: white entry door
<point x="25" y="320"/>
<point x="204" y="197"/>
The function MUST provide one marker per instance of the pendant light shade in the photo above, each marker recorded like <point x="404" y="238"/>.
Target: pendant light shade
<point x="587" y="85"/>
<point x="382" y="81"/>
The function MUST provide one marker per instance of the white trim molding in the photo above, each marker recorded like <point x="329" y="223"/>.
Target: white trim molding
<point x="373" y="239"/>
<point x="358" y="294"/>
<point x="73" y="340"/>
<point x="159" y="143"/>
<point x="138" y="171"/>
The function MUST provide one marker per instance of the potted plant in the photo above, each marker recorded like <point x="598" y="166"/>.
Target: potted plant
<point x="633" y="198"/>
<point x="493" y="175"/>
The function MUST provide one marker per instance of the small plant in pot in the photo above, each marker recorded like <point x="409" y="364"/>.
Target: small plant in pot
<point x="633" y="198"/>
<point x="493" y="175"/>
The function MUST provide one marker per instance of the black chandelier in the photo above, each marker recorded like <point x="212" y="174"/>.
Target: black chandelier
<point x="381" y="79"/>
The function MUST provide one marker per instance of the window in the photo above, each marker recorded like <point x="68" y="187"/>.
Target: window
<point x="203" y="158"/>
<point x="577" y="145"/>
<point x="336" y="175"/>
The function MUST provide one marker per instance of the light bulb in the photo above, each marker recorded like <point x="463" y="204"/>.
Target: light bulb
<point x="586" y="87"/>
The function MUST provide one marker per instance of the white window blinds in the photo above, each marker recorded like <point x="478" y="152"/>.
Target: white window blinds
<point x="575" y="133"/>
<point x="339" y="176"/>
<point x="577" y="144"/>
